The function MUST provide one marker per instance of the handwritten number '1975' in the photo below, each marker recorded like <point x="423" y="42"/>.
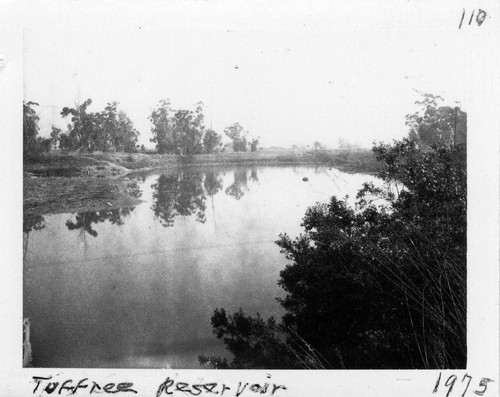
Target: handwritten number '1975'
<point x="450" y="383"/>
<point x="481" y="16"/>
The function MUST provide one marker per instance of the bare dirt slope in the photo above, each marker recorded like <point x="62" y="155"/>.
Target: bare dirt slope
<point x="58" y="195"/>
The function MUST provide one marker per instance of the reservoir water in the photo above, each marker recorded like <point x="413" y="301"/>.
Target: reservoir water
<point x="136" y="287"/>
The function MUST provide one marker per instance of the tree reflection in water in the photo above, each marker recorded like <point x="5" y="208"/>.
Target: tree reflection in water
<point x="31" y="222"/>
<point x="253" y="175"/>
<point x="185" y="194"/>
<point x="239" y="186"/>
<point x="212" y="183"/>
<point x="181" y="194"/>
<point x="84" y="220"/>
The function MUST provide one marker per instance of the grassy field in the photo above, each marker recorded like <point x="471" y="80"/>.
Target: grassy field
<point x="72" y="182"/>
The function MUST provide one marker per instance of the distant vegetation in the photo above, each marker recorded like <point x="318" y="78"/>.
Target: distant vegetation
<point x="382" y="285"/>
<point x="107" y="130"/>
<point x="181" y="132"/>
<point x="103" y="135"/>
<point x="177" y="132"/>
<point x="239" y="136"/>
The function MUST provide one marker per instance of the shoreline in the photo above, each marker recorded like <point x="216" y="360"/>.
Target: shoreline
<point x="71" y="183"/>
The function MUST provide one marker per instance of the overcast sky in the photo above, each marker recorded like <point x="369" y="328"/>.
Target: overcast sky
<point x="290" y="72"/>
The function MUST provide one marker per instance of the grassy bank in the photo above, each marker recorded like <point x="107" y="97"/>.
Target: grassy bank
<point x="56" y="182"/>
<point x="115" y="164"/>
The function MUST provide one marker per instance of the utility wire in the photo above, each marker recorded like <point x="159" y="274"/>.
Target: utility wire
<point x="182" y="249"/>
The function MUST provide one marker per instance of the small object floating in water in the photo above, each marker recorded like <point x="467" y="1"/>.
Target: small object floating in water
<point x="109" y="204"/>
<point x="305" y="179"/>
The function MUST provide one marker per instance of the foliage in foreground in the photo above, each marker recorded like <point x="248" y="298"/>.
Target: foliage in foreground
<point x="379" y="286"/>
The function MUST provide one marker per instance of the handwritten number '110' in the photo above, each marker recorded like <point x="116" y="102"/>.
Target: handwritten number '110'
<point x="481" y="16"/>
<point x="450" y="383"/>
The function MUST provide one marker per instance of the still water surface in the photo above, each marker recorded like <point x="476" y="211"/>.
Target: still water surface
<point x="136" y="287"/>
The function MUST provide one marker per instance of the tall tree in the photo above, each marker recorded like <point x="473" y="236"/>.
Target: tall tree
<point x="110" y="124"/>
<point x="86" y="132"/>
<point x="128" y="135"/>
<point x="211" y="141"/>
<point x="188" y="130"/>
<point x="162" y="127"/>
<point x="253" y="144"/>
<point x="66" y="140"/>
<point x="55" y="136"/>
<point x="118" y="130"/>
<point x="238" y="135"/>
<point x="32" y="144"/>
<point x="30" y="128"/>
<point x="177" y="132"/>
<point x="437" y="125"/>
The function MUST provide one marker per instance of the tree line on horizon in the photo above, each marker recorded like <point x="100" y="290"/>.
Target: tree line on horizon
<point x="184" y="132"/>
<point x="181" y="131"/>
<point x="109" y="129"/>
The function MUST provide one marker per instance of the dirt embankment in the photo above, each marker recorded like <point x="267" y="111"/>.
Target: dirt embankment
<point x="58" y="195"/>
<point x="57" y="183"/>
<point x="72" y="165"/>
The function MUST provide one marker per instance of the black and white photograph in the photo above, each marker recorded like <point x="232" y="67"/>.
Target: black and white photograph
<point x="257" y="185"/>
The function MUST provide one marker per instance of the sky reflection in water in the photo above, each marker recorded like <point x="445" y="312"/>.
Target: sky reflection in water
<point x="136" y="287"/>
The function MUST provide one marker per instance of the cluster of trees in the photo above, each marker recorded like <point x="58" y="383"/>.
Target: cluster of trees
<point x="240" y="138"/>
<point x="109" y="129"/>
<point x="382" y="285"/>
<point x="180" y="131"/>
<point x="183" y="132"/>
